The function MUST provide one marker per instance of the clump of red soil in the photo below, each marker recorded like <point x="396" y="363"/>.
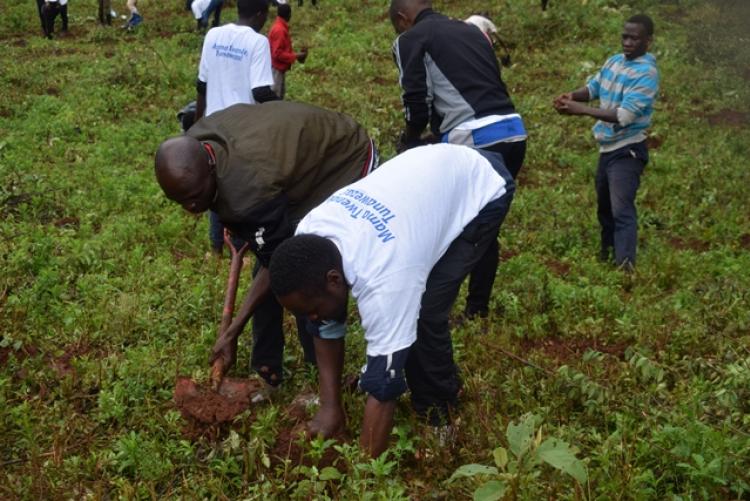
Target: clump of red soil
<point x="745" y="241"/>
<point x="203" y="405"/>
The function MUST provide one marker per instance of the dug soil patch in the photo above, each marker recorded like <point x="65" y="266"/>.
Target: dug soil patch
<point x="203" y="405"/>
<point x="564" y="350"/>
<point x="730" y="118"/>
<point x="292" y="438"/>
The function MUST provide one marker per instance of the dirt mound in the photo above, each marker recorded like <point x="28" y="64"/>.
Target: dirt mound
<point x="202" y="404"/>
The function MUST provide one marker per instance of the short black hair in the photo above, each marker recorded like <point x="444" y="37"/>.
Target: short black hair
<point x="644" y="21"/>
<point x="284" y="10"/>
<point x="249" y="8"/>
<point x="301" y="263"/>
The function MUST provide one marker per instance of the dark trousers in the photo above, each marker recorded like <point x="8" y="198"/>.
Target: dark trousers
<point x="431" y="373"/>
<point x="268" y="339"/>
<point x="47" y="15"/>
<point x="216" y="233"/>
<point x="105" y="12"/>
<point x="618" y="177"/>
<point x="483" y="277"/>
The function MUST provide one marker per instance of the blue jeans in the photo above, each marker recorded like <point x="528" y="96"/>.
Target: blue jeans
<point x="618" y="177"/>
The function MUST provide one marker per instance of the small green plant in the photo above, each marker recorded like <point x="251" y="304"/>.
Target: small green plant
<point x="528" y="450"/>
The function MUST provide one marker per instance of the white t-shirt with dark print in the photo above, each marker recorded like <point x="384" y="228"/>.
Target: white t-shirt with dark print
<point x="392" y="226"/>
<point x="235" y="60"/>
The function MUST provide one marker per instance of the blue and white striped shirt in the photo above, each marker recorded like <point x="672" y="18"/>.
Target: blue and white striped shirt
<point x="630" y="86"/>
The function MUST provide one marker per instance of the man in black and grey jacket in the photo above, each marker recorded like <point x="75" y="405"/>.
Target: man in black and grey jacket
<point x="450" y="79"/>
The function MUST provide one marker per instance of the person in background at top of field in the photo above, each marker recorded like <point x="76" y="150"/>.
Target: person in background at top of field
<point x="483" y="22"/>
<point x="450" y="79"/>
<point x="202" y="10"/>
<point x="626" y="87"/>
<point x="282" y="53"/>
<point x="402" y="240"/>
<point x="261" y="168"/>
<point x="135" y="17"/>
<point x="48" y="12"/>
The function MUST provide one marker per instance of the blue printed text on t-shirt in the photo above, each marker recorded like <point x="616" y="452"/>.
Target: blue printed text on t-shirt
<point x="361" y="206"/>
<point x="230" y="51"/>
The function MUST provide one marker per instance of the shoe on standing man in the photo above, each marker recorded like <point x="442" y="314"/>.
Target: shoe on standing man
<point x="626" y="87"/>
<point x="450" y="78"/>
<point x="282" y="53"/>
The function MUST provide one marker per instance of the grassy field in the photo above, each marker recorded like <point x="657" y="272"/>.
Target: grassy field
<point x="106" y="296"/>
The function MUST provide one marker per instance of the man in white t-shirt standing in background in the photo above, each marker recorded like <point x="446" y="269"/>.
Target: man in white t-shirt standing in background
<point x="402" y="240"/>
<point x="235" y="67"/>
<point x="235" y="62"/>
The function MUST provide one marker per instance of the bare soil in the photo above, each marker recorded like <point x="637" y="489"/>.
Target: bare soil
<point x="290" y="442"/>
<point x="62" y="365"/>
<point x="566" y="349"/>
<point x="558" y="267"/>
<point x="688" y="244"/>
<point x="731" y="118"/>
<point x="67" y="221"/>
<point x="654" y="142"/>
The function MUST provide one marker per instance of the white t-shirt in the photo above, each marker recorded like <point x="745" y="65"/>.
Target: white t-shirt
<point x="392" y="226"/>
<point x="235" y="60"/>
<point x="199" y="7"/>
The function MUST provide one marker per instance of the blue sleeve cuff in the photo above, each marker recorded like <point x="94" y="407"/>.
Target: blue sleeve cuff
<point x="332" y="330"/>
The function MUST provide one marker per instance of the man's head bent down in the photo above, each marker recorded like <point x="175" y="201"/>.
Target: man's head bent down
<point x="403" y="13"/>
<point x="186" y="173"/>
<point x="307" y="278"/>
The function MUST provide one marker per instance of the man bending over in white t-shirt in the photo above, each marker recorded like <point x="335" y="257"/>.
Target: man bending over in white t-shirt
<point x="401" y="240"/>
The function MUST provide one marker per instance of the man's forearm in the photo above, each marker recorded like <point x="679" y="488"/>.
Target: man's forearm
<point x="258" y="291"/>
<point x="376" y="426"/>
<point x="600" y="114"/>
<point x="200" y="106"/>
<point x="582" y="95"/>
<point x="329" y="354"/>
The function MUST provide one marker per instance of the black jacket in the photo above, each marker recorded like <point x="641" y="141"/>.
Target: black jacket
<point x="449" y="74"/>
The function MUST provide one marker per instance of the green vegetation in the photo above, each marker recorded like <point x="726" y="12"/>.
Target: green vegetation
<point x="105" y="294"/>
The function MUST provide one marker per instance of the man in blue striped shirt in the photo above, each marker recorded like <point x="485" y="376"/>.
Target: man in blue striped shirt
<point x="626" y="88"/>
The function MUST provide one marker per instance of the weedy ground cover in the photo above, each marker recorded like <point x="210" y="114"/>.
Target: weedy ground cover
<point x="642" y="381"/>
